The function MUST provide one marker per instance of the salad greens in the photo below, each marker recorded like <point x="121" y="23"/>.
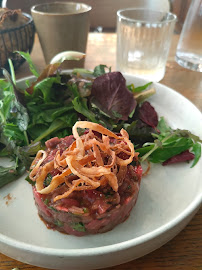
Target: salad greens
<point x="168" y="144"/>
<point x="52" y="104"/>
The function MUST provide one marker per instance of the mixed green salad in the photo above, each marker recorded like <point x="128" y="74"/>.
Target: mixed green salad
<point x="51" y="104"/>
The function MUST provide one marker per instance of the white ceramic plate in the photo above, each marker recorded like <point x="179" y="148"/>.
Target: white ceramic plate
<point x="168" y="199"/>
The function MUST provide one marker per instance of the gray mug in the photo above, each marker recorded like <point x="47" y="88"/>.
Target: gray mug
<point x="62" y="26"/>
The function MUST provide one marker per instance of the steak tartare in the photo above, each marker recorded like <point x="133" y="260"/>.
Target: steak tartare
<point x="86" y="184"/>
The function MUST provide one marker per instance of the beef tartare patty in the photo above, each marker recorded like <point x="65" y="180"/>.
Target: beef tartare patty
<point x="86" y="184"/>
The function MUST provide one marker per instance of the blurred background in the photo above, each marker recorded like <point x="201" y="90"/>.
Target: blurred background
<point x="107" y="23"/>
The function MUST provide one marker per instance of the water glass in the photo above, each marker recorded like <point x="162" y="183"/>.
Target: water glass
<point x="189" y="49"/>
<point x="143" y="42"/>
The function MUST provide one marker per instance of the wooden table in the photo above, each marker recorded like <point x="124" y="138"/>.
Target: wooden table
<point x="184" y="252"/>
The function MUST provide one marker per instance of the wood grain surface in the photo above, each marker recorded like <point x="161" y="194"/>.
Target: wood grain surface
<point x="184" y="252"/>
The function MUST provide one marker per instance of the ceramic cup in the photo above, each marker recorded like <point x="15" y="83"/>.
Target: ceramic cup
<point x="62" y="26"/>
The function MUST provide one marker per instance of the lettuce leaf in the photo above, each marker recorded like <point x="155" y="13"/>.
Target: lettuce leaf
<point x="32" y="67"/>
<point x="112" y="96"/>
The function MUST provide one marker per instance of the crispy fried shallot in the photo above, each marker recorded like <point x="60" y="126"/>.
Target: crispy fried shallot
<point x="94" y="159"/>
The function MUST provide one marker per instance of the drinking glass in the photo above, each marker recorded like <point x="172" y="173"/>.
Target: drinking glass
<point x="143" y="42"/>
<point x="62" y="26"/>
<point x="189" y="49"/>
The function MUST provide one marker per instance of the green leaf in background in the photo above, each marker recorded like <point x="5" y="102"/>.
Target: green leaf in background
<point x="7" y="144"/>
<point x="59" y="123"/>
<point x="35" y="130"/>
<point x="187" y="134"/>
<point x="55" y="113"/>
<point x="55" y="125"/>
<point x="12" y="71"/>
<point x="7" y="97"/>
<point x="74" y="89"/>
<point x="100" y="70"/>
<point x="45" y="86"/>
<point x="131" y="87"/>
<point x="163" y="127"/>
<point x="144" y="150"/>
<point x="13" y="133"/>
<point x="139" y="134"/>
<point x="80" y="105"/>
<point x="32" y="67"/>
<point x="132" y="113"/>
<point x="27" y="153"/>
<point x="5" y="88"/>
<point x="4" y="151"/>
<point x="11" y="173"/>
<point x="13" y="111"/>
<point x="82" y="71"/>
<point x="171" y="147"/>
<point x="28" y="83"/>
<point x="197" y="152"/>
<point x="5" y="106"/>
<point x="47" y="116"/>
<point x="138" y="89"/>
<point x="169" y="143"/>
<point x="116" y="114"/>
<point x="21" y="115"/>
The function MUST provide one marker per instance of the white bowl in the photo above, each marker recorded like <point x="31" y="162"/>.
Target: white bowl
<point x="168" y="199"/>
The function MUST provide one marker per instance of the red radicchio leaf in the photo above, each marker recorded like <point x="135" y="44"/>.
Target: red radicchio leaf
<point x="112" y="96"/>
<point x="184" y="156"/>
<point x="148" y="114"/>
